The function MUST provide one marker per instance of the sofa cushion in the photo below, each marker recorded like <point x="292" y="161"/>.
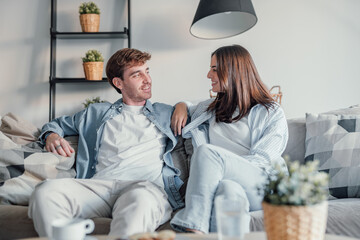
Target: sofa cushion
<point x="18" y="130"/>
<point x="334" y="140"/>
<point x="22" y="167"/>
<point x="295" y="148"/>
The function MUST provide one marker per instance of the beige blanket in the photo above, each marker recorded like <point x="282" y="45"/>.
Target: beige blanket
<point x="22" y="167"/>
<point x="18" y="130"/>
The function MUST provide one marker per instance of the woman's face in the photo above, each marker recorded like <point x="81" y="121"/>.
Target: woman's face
<point x="213" y="76"/>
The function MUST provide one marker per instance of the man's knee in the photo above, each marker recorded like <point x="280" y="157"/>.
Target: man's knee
<point x="46" y="189"/>
<point x="142" y="196"/>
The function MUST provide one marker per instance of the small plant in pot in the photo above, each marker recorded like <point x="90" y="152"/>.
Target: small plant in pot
<point x="89" y="101"/>
<point x="89" y="17"/>
<point x="93" y="64"/>
<point x="294" y="204"/>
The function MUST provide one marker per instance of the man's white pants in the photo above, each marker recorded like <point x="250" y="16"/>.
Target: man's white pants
<point x="135" y="206"/>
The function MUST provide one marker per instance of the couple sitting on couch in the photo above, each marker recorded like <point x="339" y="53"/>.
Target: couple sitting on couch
<point x="124" y="166"/>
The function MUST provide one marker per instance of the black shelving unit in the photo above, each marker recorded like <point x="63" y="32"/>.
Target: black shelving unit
<point x="54" y="35"/>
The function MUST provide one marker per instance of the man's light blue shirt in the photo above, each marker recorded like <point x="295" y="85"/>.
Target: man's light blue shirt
<point x="89" y="125"/>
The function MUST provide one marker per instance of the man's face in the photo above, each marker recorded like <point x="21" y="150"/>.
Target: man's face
<point x="135" y="85"/>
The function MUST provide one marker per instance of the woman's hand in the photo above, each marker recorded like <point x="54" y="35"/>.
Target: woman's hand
<point x="58" y="145"/>
<point x="179" y="118"/>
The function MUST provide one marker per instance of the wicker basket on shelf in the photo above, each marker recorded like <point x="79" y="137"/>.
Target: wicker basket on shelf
<point x="285" y="222"/>
<point x="90" y="22"/>
<point x="93" y="70"/>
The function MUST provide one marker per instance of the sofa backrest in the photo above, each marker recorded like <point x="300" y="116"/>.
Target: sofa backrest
<point x="295" y="149"/>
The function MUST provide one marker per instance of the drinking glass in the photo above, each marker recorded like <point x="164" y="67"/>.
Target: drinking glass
<point x="230" y="218"/>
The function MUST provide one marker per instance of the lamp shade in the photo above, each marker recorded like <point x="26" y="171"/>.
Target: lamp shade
<point x="216" y="19"/>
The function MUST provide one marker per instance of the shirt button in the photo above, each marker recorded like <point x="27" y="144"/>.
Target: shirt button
<point x="92" y="167"/>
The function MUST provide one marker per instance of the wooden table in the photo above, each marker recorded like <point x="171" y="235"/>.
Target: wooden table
<point x="186" y="236"/>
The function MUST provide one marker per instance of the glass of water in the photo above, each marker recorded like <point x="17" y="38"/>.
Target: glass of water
<point x="231" y="218"/>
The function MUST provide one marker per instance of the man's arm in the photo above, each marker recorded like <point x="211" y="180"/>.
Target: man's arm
<point x="52" y="134"/>
<point x="58" y="145"/>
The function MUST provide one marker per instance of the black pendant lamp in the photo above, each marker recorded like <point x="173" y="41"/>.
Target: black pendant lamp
<point x="216" y="19"/>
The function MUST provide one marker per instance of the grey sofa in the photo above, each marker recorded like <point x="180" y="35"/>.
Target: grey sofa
<point x="343" y="214"/>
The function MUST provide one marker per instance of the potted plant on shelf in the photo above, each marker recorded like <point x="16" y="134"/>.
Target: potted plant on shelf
<point x="89" y="101"/>
<point x="295" y="205"/>
<point x="89" y="17"/>
<point x="93" y="64"/>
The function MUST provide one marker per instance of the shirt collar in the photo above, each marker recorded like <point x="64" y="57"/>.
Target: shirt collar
<point x="120" y="103"/>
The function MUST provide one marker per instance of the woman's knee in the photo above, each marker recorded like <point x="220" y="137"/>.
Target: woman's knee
<point x="205" y="153"/>
<point x="230" y="188"/>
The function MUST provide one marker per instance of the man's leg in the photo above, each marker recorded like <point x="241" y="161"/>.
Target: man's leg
<point x="140" y="207"/>
<point x="68" y="198"/>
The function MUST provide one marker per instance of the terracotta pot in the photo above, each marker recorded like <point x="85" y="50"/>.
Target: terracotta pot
<point x="90" y="22"/>
<point x="93" y="70"/>
<point x="284" y="222"/>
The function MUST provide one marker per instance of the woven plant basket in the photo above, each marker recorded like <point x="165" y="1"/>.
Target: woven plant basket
<point x="283" y="222"/>
<point x="93" y="70"/>
<point x="90" y="22"/>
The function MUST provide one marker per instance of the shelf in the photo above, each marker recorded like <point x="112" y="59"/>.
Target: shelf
<point x="55" y="35"/>
<point x="89" y="35"/>
<point x="76" y="80"/>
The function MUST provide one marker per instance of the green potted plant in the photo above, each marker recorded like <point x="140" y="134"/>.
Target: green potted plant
<point x="93" y="64"/>
<point x="89" y="17"/>
<point x="89" y="101"/>
<point x="295" y="205"/>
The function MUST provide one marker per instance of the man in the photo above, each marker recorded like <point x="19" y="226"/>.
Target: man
<point x="124" y="166"/>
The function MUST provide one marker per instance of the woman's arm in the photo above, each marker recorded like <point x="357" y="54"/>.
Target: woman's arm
<point x="269" y="136"/>
<point x="179" y="118"/>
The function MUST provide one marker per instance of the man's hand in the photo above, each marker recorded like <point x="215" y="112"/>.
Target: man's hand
<point x="179" y="118"/>
<point x="58" y="145"/>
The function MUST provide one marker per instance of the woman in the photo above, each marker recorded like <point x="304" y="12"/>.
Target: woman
<point x="237" y="138"/>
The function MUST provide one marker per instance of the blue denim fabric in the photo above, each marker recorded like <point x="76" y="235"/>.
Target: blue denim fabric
<point x="213" y="167"/>
<point x="89" y="125"/>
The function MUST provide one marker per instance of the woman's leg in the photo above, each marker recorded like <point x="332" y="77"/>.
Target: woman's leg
<point x="232" y="190"/>
<point x="210" y="165"/>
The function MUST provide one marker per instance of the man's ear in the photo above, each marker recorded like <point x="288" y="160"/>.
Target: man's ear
<point x="117" y="82"/>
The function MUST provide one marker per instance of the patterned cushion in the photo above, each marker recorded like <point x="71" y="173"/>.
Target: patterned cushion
<point x="334" y="140"/>
<point x="22" y="167"/>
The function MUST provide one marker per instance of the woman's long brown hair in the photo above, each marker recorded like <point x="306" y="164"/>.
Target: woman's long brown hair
<point x="240" y="84"/>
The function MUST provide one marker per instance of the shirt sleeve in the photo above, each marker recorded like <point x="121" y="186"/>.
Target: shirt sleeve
<point x="269" y="136"/>
<point x="63" y="126"/>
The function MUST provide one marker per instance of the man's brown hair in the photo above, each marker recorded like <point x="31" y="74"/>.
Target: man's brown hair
<point x="122" y="59"/>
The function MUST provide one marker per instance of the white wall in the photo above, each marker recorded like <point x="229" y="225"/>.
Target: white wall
<point x="310" y="47"/>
